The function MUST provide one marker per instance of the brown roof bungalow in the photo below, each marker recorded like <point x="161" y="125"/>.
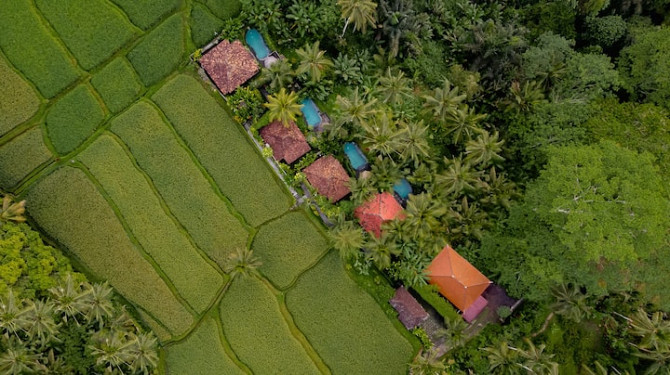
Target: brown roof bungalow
<point x="329" y="178"/>
<point x="410" y="311"/>
<point x="229" y="65"/>
<point x="287" y="143"/>
<point x="381" y="208"/>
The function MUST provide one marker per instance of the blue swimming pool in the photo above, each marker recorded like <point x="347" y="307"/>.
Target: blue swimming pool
<point x="255" y="40"/>
<point x="402" y="188"/>
<point x="355" y="155"/>
<point x="311" y="112"/>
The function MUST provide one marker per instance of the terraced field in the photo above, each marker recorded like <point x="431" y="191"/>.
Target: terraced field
<point x="130" y="162"/>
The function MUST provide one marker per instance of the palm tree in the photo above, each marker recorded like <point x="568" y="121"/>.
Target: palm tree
<point x="313" y="61"/>
<point x="601" y="370"/>
<point x="394" y="86"/>
<point x="361" y="189"/>
<point x="427" y="363"/>
<point x="111" y="351"/>
<point x="143" y="353"/>
<point x="14" y="315"/>
<point x="414" y="142"/>
<point x="100" y="303"/>
<point x="69" y="300"/>
<point x="571" y="303"/>
<point x="524" y="98"/>
<point x="242" y="262"/>
<point x="443" y="101"/>
<point x="278" y="75"/>
<point x="485" y="149"/>
<point x="654" y="331"/>
<point x="12" y="211"/>
<point x="463" y="122"/>
<point x="17" y="360"/>
<point x="360" y="12"/>
<point x="497" y="189"/>
<point x="466" y="219"/>
<point x="355" y="109"/>
<point x="660" y="360"/>
<point x="535" y="360"/>
<point x="385" y="173"/>
<point x="283" y="107"/>
<point x="41" y="324"/>
<point x="503" y="359"/>
<point x="458" y="178"/>
<point x="454" y="332"/>
<point x="381" y="135"/>
<point x="381" y="249"/>
<point x="423" y="214"/>
<point x="347" y="239"/>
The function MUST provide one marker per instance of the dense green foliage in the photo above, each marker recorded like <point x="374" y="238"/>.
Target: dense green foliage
<point x="256" y="329"/>
<point x="322" y="303"/>
<point x="46" y="63"/>
<point x="151" y="58"/>
<point x="147" y="13"/>
<point x="18" y="101"/>
<point x="288" y="246"/>
<point x="117" y="85"/>
<point x="91" y="29"/>
<point x="228" y="156"/>
<point x="194" y="279"/>
<point x="180" y="183"/>
<point x="73" y="118"/>
<point x="98" y="239"/>
<point x="20" y="156"/>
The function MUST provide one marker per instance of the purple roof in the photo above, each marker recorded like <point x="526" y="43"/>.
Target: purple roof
<point x="410" y="312"/>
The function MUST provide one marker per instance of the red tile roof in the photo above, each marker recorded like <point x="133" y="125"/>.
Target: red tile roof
<point x="456" y="278"/>
<point x="229" y="65"/>
<point x="410" y="312"/>
<point x="373" y="213"/>
<point x="287" y="143"/>
<point x="329" y="178"/>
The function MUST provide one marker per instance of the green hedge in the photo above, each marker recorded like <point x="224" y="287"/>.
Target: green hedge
<point x="201" y="353"/>
<point x="288" y="246"/>
<point x="344" y="324"/>
<point x="147" y="13"/>
<point x="160" y="52"/>
<point x="30" y="48"/>
<point x="69" y="208"/>
<point x="91" y="29"/>
<point x="18" y="101"/>
<point x="73" y="118"/>
<point x="441" y="305"/>
<point x="187" y="193"/>
<point x="204" y="25"/>
<point x="227" y="154"/>
<point x="21" y="156"/>
<point x="258" y="333"/>
<point x="117" y="85"/>
<point x="193" y="277"/>
<point x="224" y="8"/>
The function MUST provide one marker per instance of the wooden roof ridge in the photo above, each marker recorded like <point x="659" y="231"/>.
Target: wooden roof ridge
<point x="229" y="65"/>
<point x="287" y="143"/>
<point x="329" y="178"/>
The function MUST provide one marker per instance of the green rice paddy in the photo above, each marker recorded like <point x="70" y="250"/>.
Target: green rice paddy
<point x="133" y="165"/>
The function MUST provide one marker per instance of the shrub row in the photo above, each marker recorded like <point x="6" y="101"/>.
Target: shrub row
<point x="160" y="52"/>
<point x="342" y="321"/>
<point x="227" y="154"/>
<point x="187" y="193"/>
<point x="18" y="101"/>
<point x="200" y="353"/>
<point x="71" y="210"/>
<point x="193" y="277"/>
<point x="91" y="29"/>
<point x="28" y="45"/>
<point x="117" y="85"/>
<point x="258" y="333"/>
<point x="287" y="246"/>
<point x="21" y="156"/>
<point x="73" y="118"/>
<point x="147" y="13"/>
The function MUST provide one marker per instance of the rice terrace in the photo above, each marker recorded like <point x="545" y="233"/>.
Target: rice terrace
<point x="130" y="161"/>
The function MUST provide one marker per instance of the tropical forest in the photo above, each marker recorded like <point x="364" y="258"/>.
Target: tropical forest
<point x="422" y="187"/>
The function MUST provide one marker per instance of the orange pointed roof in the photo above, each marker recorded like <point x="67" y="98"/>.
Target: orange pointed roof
<point x="456" y="278"/>
<point x="373" y="213"/>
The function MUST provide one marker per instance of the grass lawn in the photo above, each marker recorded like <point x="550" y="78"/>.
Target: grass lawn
<point x="18" y="101"/>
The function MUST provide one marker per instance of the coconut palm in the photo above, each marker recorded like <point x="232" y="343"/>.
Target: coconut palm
<point x="463" y="122"/>
<point x="278" y="75"/>
<point x="385" y="173"/>
<point x="12" y="211"/>
<point x="653" y="331"/>
<point x="69" y="300"/>
<point x="443" y="101"/>
<point x="459" y="177"/>
<point x="423" y="214"/>
<point x="347" y="239"/>
<point x="381" y="135"/>
<point x="283" y="107"/>
<point x="17" y="360"/>
<point x="361" y="189"/>
<point x="524" y="98"/>
<point x="393" y="86"/>
<point x="503" y="359"/>
<point x="466" y="219"/>
<point x="498" y="190"/>
<point x="571" y="303"/>
<point x="313" y="61"/>
<point x="355" y="109"/>
<point x="360" y="12"/>
<point x="242" y="262"/>
<point x="41" y="324"/>
<point x="427" y="363"/>
<point x="535" y="360"/>
<point x="413" y="140"/>
<point x="143" y="355"/>
<point x="454" y="332"/>
<point x="601" y="370"/>
<point x="380" y="249"/>
<point x="100" y="303"/>
<point x="660" y="360"/>
<point x="112" y="351"/>
<point x="485" y="149"/>
<point x="14" y="315"/>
